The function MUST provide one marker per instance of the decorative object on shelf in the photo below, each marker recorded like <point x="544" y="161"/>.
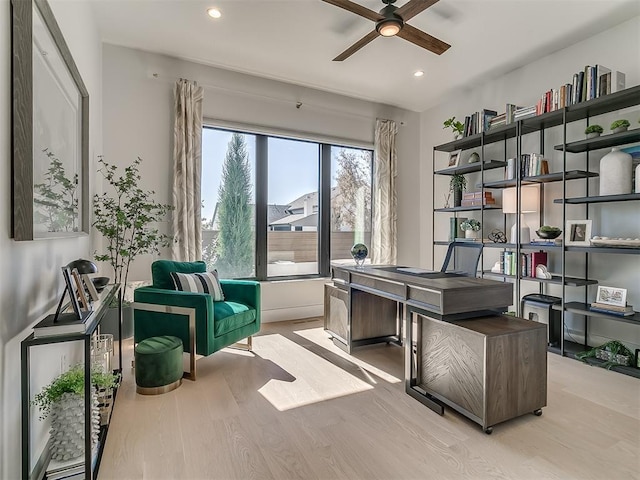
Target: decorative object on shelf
<point x="471" y="228"/>
<point x="454" y="227"/>
<point x="498" y="236"/>
<point x="578" y="233"/>
<point x="542" y="272"/>
<point x="63" y="401"/>
<point x="473" y="158"/>
<point x="84" y="268"/>
<point x="620" y="126"/>
<point x="457" y="185"/>
<point x="612" y="296"/>
<point x="454" y="159"/>
<point x="548" y="232"/>
<point x="454" y="125"/>
<point x="100" y="283"/>
<point x="593" y="131"/>
<point x="613" y="353"/>
<point x="128" y="233"/>
<point x="496" y="267"/>
<point x="615" y="242"/>
<point x="638" y="178"/>
<point x="359" y="253"/>
<point x="529" y="202"/>
<point x="616" y="168"/>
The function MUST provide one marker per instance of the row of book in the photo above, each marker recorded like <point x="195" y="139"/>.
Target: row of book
<point x="509" y="263"/>
<point x="626" y="311"/>
<point x="477" y="199"/>
<point x="531" y="165"/>
<point x="478" y="122"/>
<point x="593" y="82"/>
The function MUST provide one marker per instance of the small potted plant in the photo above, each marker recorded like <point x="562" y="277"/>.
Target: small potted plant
<point x="471" y="228"/>
<point x="593" y="131"/>
<point x="63" y="401"/>
<point x="620" y="126"/>
<point x="457" y="185"/>
<point x="454" y="125"/>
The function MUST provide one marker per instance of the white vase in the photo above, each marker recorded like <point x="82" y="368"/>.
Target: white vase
<point x="638" y="178"/>
<point x="615" y="173"/>
<point x="471" y="234"/>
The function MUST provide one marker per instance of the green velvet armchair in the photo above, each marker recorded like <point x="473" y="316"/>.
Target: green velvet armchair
<point x="203" y="325"/>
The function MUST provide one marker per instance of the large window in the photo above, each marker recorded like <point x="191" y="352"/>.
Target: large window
<point x="308" y="201"/>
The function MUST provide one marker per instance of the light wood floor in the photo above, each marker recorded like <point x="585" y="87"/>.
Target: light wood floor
<point x="301" y="408"/>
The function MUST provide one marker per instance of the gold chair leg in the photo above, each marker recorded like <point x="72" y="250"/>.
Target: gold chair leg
<point x="244" y="346"/>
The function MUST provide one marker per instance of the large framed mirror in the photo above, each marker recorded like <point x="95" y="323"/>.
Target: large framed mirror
<point x="50" y="107"/>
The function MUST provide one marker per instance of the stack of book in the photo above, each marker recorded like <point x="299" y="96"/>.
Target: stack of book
<point x="524" y="112"/>
<point x="531" y="165"/>
<point x="527" y="264"/>
<point x="626" y="311"/>
<point x="67" y="470"/>
<point x="478" y="122"/>
<point x="477" y="199"/>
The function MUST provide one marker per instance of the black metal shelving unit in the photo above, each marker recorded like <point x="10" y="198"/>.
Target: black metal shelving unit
<point x="560" y="118"/>
<point x="92" y="455"/>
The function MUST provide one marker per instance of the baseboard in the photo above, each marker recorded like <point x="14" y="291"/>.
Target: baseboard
<point x="292" y="313"/>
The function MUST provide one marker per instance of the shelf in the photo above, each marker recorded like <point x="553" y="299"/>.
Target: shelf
<point x="472" y="167"/>
<point x="603" y="141"/>
<point x="557" y="279"/>
<point x="548" y="178"/>
<point x="497" y="134"/>
<point x="468" y="209"/>
<point x="529" y="246"/>
<point x="499" y="245"/>
<point x="618" y="250"/>
<point x="572" y="348"/>
<point x="583" y="309"/>
<point x="600" y="199"/>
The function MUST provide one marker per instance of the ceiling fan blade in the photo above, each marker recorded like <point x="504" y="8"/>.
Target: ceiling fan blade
<point x="413" y="8"/>
<point x="357" y="9"/>
<point x="424" y="40"/>
<point x="357" y="46"/>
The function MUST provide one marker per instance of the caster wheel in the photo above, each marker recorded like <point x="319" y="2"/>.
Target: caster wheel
<point x="488" y="430"/>
<point x="537" y="412"/>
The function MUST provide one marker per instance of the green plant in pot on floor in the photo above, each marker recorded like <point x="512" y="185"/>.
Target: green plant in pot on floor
<point x="126" y="216"/>
<point x="457" y="185"/>
<point x="63" y="402"/>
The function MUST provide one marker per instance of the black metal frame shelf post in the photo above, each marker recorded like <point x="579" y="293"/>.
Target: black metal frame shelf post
<point x="92" y="456"/>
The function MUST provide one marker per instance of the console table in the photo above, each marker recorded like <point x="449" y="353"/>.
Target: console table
<point x="91" y="456"/>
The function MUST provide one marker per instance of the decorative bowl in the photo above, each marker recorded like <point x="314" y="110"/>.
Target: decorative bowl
<point x="549" y="234"/>
<point x="100" y="282"/>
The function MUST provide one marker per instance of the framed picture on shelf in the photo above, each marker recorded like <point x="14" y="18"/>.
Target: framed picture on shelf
<point x="578" y="233"/>
<point x="612" y="296"/>
<point x="454" y="158"/>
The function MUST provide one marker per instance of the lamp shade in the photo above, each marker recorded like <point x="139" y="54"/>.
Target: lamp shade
<point x="529" y="198"/>
<point x="83" y="266"/>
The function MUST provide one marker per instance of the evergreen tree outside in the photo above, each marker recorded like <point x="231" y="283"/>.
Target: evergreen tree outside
<point x="234" y="246"/>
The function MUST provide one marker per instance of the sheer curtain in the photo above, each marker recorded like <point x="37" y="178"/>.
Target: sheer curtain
<point x="383" y="235"/>
<point x="187" y="158"/>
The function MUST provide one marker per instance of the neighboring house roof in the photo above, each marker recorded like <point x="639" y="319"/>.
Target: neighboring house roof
<point x="298" y="220"/>
<point x="274" y="212"/>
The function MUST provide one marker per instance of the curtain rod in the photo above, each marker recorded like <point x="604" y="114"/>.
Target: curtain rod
<point x="297" y="103"/>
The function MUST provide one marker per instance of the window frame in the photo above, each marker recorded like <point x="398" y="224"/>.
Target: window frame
<point x="261" y="182"/>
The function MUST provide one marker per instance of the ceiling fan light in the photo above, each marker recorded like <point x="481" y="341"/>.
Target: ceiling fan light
<point x="214" y="12"/>
<point x="389" y="27"/>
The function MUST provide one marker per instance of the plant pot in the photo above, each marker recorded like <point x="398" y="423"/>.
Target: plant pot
<point x="593" y="134"/>
<point x="457" y="197"/>
<point x="620" y="129"/>
<point x="457" y="136"/>
<point x="471" y="234"/>
<point x="109" y="323"/>
<point x="67" y="426"/>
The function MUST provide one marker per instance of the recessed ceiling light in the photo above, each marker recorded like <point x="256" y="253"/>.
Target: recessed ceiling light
<point x="214" y="12"/>
<point x="418" y="73"/>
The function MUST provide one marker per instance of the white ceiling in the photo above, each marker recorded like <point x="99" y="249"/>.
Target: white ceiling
<point x="295" y="40"/>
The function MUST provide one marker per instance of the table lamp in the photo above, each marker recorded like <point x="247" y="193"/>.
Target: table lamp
<point x="529" y="198"/>
<point x="85" y="267"/>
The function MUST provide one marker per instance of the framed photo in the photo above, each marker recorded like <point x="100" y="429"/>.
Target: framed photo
<point x="72" y="289"/>
<point x="454" y="158"/>
<point x="612" y="296"/>
<point x="82" y="297"/>
<point x="578" y="233"/>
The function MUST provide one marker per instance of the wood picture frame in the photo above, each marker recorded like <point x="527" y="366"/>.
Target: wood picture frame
<point x="578" y="233"/>
<point x="50" y="130"/>
<point x="454" y="159"/>
<point x="612" y="296"/>
<point x="82" y="297"/>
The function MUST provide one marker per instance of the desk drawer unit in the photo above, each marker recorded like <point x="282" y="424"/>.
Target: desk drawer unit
<point x="336" y="311"/>
<point x="384" y="287"/>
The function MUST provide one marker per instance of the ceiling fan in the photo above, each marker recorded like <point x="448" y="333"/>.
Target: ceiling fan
<point x="392" y="21"/>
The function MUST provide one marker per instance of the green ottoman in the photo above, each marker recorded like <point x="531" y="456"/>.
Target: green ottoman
<point x="158" y="365"/>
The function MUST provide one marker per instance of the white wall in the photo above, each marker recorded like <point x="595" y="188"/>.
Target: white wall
<point x="138" y="121"/>
<point x="617" y="48"/>
<point x="31" y="281"/>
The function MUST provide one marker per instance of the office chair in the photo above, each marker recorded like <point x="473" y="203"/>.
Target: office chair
<point x="463" y="257"/>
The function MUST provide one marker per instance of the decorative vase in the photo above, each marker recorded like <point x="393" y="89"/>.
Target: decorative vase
<point x="474" y="158"/>
<point x="67" y="426"/>
<point x="471" y="234"/>
<point x="620" y="129"/>
<point x="615" y="173"/>
<point x="638" y="178"/>
<point x="457" y="197"/>
<point x="593" y="134"/>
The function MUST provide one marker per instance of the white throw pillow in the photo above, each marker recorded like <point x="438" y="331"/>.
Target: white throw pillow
<point x="207" y="282"/>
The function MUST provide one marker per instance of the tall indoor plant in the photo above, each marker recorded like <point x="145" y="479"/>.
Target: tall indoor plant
<point x="126" y="216"/>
